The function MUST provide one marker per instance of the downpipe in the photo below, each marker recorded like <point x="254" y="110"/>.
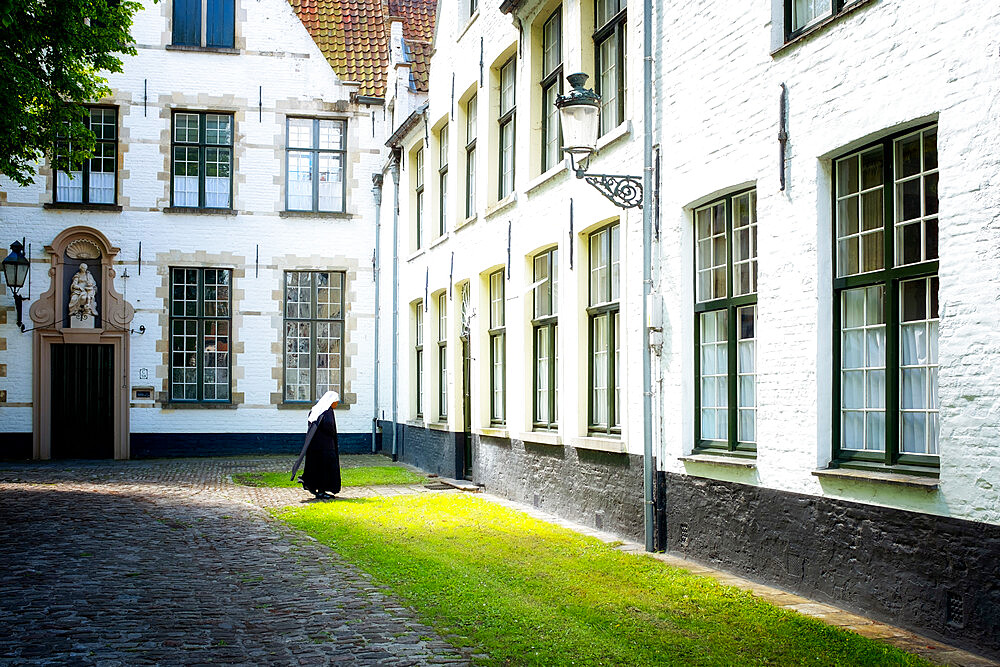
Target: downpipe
<point x="377" y="272"/>
<point x="394" y="170"/>
<point x="647" y="280"/>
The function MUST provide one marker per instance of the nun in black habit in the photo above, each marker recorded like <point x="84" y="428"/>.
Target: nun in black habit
<point x="321" y="475"/>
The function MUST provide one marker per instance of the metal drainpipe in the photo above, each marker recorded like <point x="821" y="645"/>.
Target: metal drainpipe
<point x="394" y="170"/>
<point x="647" y="254"/>
<point x="377" y="194"/>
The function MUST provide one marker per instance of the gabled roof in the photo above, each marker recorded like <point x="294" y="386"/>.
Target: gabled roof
<point x="354" y="37"/>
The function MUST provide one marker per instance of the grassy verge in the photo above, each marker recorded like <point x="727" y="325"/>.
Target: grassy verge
<point x="366" y="476"/>
<point x="529" y="593"/>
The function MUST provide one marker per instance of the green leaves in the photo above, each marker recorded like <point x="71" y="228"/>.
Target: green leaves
<point x="54" y="55"/>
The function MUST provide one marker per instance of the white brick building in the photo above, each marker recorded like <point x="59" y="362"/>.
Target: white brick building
<point x="207" y="127"/>
<point x="840" y="450"/>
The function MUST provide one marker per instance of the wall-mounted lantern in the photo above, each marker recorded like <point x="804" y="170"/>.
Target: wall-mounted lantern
<point x="15" y="272"/>
<point x="579" y="115"/>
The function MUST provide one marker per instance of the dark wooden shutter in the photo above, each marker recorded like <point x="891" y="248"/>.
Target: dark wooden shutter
<point x="187" y="22"/>
<point x="219" y="23"/>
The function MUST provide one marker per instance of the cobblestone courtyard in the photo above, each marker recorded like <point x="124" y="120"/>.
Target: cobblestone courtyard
<point x="140" y="562"/>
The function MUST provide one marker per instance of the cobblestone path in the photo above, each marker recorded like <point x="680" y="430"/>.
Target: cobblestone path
<point x="141" y="562"/>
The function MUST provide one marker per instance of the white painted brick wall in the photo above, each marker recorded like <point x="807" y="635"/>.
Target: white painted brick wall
<point x="872" y="72"/>
<point x="281" y="60"/>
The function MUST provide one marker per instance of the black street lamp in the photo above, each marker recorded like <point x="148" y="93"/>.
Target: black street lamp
<point x="15" y="272"/>
<point x="579" y="115"/>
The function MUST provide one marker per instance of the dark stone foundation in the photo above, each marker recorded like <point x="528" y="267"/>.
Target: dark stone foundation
<point x="934" y="575"/>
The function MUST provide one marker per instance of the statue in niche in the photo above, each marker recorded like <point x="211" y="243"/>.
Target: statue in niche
<point x="83" y="295"/>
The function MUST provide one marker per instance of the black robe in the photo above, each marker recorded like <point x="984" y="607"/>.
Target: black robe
<point x="322" y="470"/>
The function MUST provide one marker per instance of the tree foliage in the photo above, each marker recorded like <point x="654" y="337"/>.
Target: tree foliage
<point x="54" y="55"/>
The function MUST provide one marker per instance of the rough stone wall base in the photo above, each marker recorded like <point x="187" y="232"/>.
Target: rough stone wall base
<point x="435" y="451"/>
<point x="934" y="575"/>
<point x="593" y="488"/>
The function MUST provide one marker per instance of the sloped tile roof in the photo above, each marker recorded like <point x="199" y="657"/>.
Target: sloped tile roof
<point x="354" y="36"/>
<point x="418" y="53"/>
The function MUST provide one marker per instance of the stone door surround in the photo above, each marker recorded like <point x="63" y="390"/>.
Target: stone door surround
<point x="49" y="317"/>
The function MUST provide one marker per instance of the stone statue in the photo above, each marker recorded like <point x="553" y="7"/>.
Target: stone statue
<point x="83" y="294"/>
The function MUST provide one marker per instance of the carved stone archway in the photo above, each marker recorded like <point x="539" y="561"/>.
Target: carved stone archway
<point x="53" y="327"/>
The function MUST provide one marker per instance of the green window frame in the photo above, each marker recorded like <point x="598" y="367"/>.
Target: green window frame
<point x="200" y="335"/>
<point x="505" y="156"/>
<point x="418" y="165"/>
<point x="725" y="232"/>
<point x="551" y="85"/>
<point x="803" y="15"/>
<point x="498" y="349"/>
<point x="313" y="334"/>
<point x="610" y="60"/>
<point x="545" y="337"/>
<point x="604" y="331"/>
<point x="201" y="150"/>
<point x="95" y="181"/>
<point x="471" y="132"/>
<point x="443" y="181"/>
<point x="885" y="304"/>
<point x="418" y="349"/>
<point x="442" y="356"/>
<point x="315" y="159"/>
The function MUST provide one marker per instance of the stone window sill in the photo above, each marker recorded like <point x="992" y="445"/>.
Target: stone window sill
<point x="465" y="223"/>
<point x="494" y="432"/>
<point x="911" y="481"/>
<point x="719" y="460"/>
<point x="504" y="203"/>
<point x="623" y="130"/>
<point x="73" y="206"/>
<point x="613" y="445"/>
<point x="191" y="210"/>
<point x="468" y="24"/>
<point x="542" y="438"/>
<point x="316" y="214"/>
<point x="438" y="241"/>
<point x="811" y="30"/>
<point x="547" y="176"/>
<point x="308" y="406"/>
<point x="198" y="406"/>
<point x="203" y="49"/>
<point x="416" y="253"/>
<point x="437" y="426"/>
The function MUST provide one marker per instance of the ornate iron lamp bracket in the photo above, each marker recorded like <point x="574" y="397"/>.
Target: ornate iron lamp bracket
<point x="623" y="191"/>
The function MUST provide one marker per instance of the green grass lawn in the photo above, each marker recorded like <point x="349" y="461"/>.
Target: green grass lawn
<point x="527" y="592"/>
<point x="366" y="476"/>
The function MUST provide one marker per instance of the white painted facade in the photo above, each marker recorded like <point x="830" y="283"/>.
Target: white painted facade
<point x="535" y="217"/>
<point x="275" y="71"/>
<point x="872" y="72"/>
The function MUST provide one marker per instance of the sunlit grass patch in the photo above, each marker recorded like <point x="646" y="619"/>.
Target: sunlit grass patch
<point x="527" y="592"/>
<point x="366" y="476"/>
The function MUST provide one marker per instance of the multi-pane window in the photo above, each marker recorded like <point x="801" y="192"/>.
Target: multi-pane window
<point x="92" y="181"/>
<point x="609" y="51"/>
<point x="886" y="296"/>
<point x="603" y="318"/>
<point x="200" y="323"/>
<point x="506" y="120"/>
<point x="443" y="180"/>
<point x="800" y="14"/>
<point x="498" y="349"/>
<point x="726" y="323"/>
<point x="470" y="157"/>
<point x="418" y="166"/>
<point x="551" y="87"/>
<point x="473" y="7"/>
<point x="545" y="328"/>
<point x="315" y="154"/>
<point x="442" y="355"/>
<point x="418" y="350"/>
<point x="314" y="334"/>
<point x="206" y="23"/>
<point x="202" y="153"/>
